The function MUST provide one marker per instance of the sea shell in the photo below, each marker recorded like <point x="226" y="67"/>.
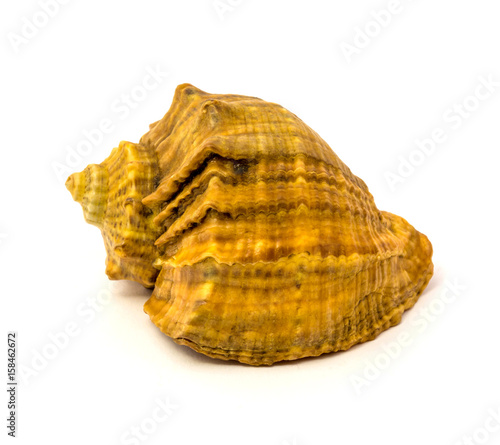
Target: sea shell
<point x="260" y="243"/>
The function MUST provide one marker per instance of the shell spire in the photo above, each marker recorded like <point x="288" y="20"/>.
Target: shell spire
<point x="110" y="195"/>
<point x="260" y="242"/>
<point x="90" y="189"/>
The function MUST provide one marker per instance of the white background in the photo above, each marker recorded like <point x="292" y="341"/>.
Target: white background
<point x="433" y="379"/>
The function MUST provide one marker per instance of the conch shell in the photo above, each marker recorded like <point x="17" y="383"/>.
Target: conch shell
<point x="260" y="243"/>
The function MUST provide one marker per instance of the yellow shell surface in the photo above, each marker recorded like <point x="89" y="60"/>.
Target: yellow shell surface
<point x="260" y="243"/>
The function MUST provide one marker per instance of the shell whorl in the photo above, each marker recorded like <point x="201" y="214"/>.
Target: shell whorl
<point x="90" y="189"/>
<point x="110" y="195"/>
<point x="263" y="244"/>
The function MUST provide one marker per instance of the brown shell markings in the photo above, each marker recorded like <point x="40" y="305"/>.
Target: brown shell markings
<point x="260" y="243"/>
